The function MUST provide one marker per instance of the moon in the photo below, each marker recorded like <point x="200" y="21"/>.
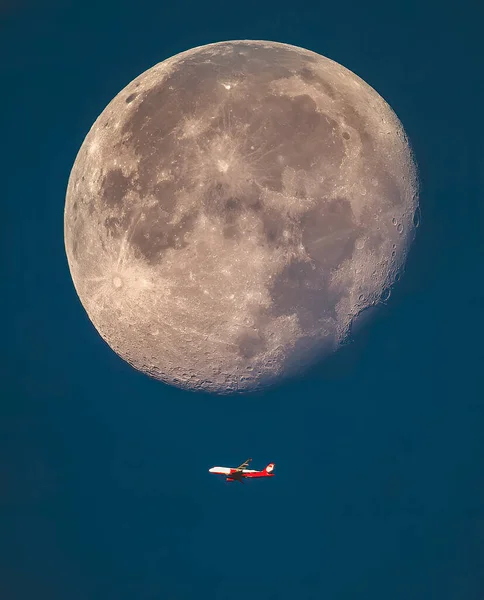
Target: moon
<point x="234" y="209"/>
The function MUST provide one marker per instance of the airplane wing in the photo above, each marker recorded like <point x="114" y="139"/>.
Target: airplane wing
<point x="244" y="465"/>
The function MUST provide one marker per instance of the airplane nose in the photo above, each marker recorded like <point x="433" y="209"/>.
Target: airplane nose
<point x="211" y="470"/>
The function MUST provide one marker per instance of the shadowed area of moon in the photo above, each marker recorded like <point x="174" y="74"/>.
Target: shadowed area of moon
<point x="232" y="211"/>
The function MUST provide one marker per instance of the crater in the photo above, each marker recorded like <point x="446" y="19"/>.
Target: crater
<point x="223" y="166"/>
<point x="130" y="98"/>
<point x="385" y="295"/>
<point x="416" y="217"/>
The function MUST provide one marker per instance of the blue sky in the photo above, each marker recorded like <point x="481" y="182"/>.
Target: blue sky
<point x="104" y="490"/>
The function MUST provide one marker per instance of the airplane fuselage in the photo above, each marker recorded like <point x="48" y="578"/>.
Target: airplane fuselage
<point x="231" y="473"/>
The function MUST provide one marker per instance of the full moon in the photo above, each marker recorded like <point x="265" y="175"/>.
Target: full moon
<point x="234" y="209"/>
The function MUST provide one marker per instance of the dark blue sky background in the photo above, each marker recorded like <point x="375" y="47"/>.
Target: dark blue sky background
<point x="104" y="490"/>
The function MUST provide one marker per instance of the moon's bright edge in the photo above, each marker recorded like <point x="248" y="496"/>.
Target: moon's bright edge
<point x="232" y="211"/>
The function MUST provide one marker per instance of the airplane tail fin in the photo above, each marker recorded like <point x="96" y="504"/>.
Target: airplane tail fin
<point x="270" y="467"/>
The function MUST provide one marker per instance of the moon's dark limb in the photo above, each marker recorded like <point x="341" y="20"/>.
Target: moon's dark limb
<point x="233" y="209"/>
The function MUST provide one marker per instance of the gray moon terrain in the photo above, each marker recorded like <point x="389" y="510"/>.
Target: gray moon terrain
<point x="234" y="209"/>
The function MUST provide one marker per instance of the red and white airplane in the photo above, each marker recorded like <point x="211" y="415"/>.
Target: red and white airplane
<point x="242" y="472"/>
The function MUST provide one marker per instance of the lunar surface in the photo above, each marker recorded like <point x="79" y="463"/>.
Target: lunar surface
<point x="234" y="209"/>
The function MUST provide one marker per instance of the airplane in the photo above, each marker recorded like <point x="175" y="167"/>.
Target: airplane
<point x="242" y="472"/>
